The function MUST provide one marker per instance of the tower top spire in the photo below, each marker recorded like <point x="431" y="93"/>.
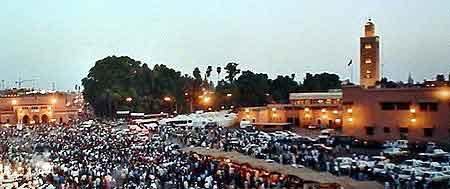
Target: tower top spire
<point x="369" y="28"/>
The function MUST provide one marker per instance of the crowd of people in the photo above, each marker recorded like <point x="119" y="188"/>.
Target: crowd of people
<point x="318" y="155"/>
<point x="110" y="155"/>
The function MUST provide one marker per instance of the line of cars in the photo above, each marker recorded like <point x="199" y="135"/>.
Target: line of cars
<point x="433" y="165"/>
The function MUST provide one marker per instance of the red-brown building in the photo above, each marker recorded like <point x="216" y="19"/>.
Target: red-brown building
<point x="34" y="108"/>
<point x="304" y="109"/>
<point x="416" y="114"/>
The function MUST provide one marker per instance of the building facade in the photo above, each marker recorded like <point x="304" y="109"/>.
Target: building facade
<point x="379" y="114"/>
<point x="38" y="108"/>
<point x="369" y="72"/>
<point x="318" y="109"/>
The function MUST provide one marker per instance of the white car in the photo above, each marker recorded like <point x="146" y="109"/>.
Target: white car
<point x="435" y="176"/>
<point x="297" y="166"/>
<point x="403" y="144"/>
<point x="344" y="162"/>
<point x="394" y="152"/>
<point x="382" y="169"/>
<point x="244" y="124"/>
<point x="406" y="174"/>
<point x="435" y="153"/>
<point x="264" y="135"/>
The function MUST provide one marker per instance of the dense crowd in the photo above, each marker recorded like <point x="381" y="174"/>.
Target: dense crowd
<point x="110" y="155"/>
<point x="106" y="156"/>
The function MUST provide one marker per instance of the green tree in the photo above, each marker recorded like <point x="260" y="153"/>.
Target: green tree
<point x="219" y="70"/>
<point x="321" y="82"/>
<point x="252" y="89"/>
<point x="440" y="77"/>
<point x="282" y="86"/>
<point x="232" y="71"/>
<point x="113" y="79"/>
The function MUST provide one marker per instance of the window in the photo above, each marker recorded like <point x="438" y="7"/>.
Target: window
<point x="368" y="61"/>
<point x="387" y="130"/>
<point x="403" y="106"/>
<point x="403" y="130"/>
<point x="429" y="106"/>
<point x="367" y="46"/>
<point x="395" y="105"/>
<point x="433" y="107"/>
<point x="423" y="107"/>
<point x="428" y="132"/>
<point x="370" y="130"/>
<point x="387" y="106"/>
<point x="368" y="71"/>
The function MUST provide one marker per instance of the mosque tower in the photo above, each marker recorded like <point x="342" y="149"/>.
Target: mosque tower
<point x="369" y="56"/>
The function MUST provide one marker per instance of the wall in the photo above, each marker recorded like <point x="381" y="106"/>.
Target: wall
<point x="367" y="112"/>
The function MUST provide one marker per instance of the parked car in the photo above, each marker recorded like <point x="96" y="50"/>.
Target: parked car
<point x="435" y="176"/>
<point x="313" y="127"/>
<point x="435" y="153"/>
<point x="394" y="152"/>
<point x="402" y="144"/>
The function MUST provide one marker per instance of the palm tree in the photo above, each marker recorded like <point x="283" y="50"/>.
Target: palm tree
<point x="219" y="69"/>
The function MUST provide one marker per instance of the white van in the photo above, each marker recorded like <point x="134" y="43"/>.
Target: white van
<point x="244" y="124"/>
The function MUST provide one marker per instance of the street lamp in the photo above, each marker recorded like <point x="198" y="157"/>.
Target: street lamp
<point x="229" y="95"/>
<point x="169" y="100"/>
<point x="129" y="99"/>
<point x="206" y="99"/>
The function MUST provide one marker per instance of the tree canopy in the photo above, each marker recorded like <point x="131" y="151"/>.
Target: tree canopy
<point x="113" y="81"/>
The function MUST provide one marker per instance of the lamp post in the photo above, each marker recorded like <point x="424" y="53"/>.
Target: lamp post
<point x="228" y="99"/>
<point x="171" y="100"/>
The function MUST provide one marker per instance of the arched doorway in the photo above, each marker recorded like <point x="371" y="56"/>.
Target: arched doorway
<point x="26" y="119"/>
<point x="36" y="119"/>
<point x="60" y="120"/>
<point x="44" y="119"/>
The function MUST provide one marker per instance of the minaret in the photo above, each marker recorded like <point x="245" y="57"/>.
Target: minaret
<point x="369" y="56"/>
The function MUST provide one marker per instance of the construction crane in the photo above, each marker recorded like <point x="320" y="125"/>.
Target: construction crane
<point x="21" y="81"/>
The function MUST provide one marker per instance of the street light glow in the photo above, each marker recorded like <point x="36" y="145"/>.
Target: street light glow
<point x="229" y="95"/>
<point x="13" y="102"/>
<point x="54" y="101"/>
<point x="167" y="99"/>
<point x="129" y="99"/>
